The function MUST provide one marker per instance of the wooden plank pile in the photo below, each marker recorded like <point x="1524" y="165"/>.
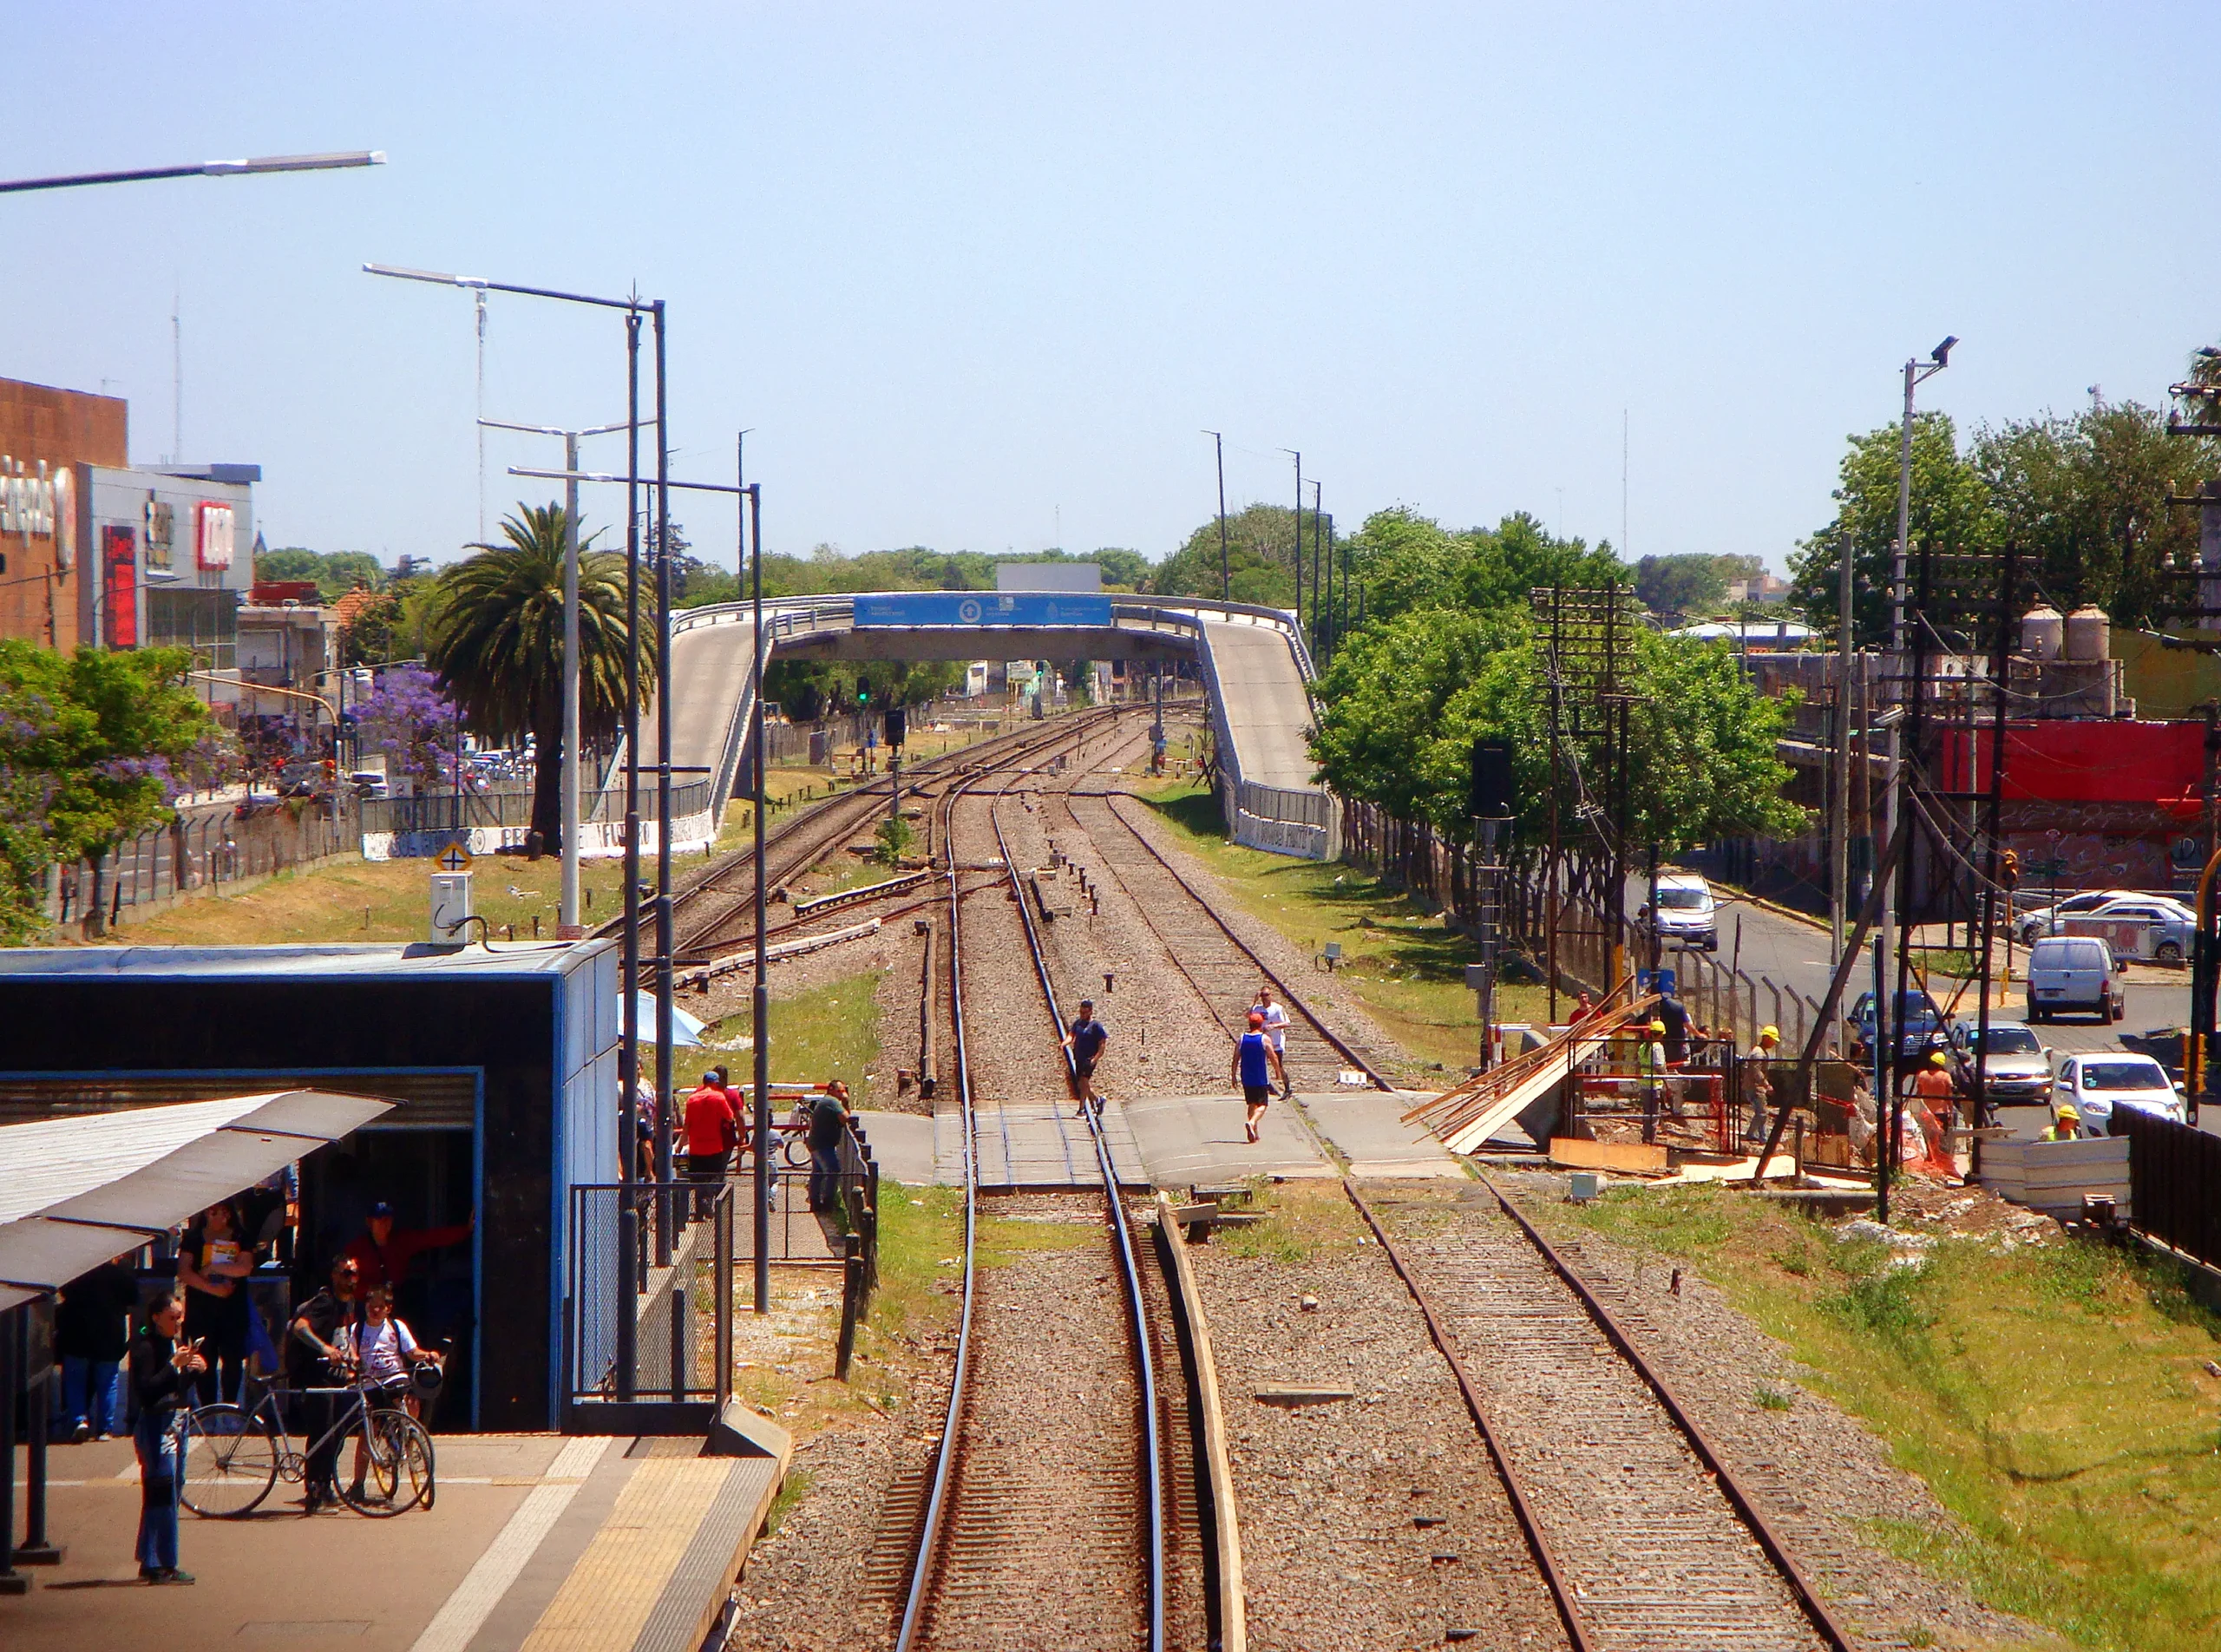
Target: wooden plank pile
<point x="1462" y="1118"/>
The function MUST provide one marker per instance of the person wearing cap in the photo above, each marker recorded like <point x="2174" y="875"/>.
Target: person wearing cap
<point x="2066" y="1126"/>
<point x="381" y="1252"/>
<point x="1758" y="1080"/>
<point x="1255" y="1064"/>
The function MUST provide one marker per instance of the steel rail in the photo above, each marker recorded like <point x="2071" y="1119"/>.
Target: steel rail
<point x="1808" y="1596"/>
<point x="1152" y="1449"/>
<point x="1293" y="998"/>
<point x="839" y="817"/>
<point x="914" y="1607"/>
<point x="1562" y="1592"/>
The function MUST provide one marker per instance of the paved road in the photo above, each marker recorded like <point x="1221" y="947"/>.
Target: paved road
<point x="1267" y="707"/>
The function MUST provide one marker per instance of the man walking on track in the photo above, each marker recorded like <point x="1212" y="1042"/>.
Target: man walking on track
<point x="1276" y="1035"/>
<point x="1255" y="1062"/>
<point x="1085" y="1038"/>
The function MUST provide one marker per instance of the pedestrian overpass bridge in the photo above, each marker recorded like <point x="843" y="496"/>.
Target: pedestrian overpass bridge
<point x="1252" y="663"/>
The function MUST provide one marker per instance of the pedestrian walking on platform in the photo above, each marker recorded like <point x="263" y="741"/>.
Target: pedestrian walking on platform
<point x="1758" y="1080"/>
<point x="830" y="1119"/>
<point x="711" y="1131"/>
<point x="1255" y="1066"/>
<point x="1276" y="1034"/>
<point x="1650" y="1073"/>
<point x="161" y="1374"/>
<point x="1085" y="1038"/>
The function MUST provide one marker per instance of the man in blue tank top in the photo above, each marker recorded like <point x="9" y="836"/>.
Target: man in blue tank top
<point x="1256" y="1064"/>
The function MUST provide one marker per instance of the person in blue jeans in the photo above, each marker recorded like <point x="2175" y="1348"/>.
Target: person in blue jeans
<point x="830" y="1119"/>
<point x="1256" y="1064"/>
<point x="92" y="1332"/>
<point x="161" y="1374"/>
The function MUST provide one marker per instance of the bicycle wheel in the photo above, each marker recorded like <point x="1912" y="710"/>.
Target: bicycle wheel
<point x="231" y="1462"/>
<point x="414" y="1484"/>
<point x="397" y="1467"/>
<point x="797" y="1150"/>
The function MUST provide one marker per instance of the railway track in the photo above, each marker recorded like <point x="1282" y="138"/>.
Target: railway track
<point x="1046" y="1514"/>
<point x="1647" y="1539"/>
<point x="1224" y="969"/>
<point x="713" y="910"/>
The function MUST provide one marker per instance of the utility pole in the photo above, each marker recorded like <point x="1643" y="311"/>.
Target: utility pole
<point x="1299" y="539"/>
<point x="1839" y="798"/>
<point x="1225" y="574"/>
<point x="1318" y="610"/>
<point x="1916" y="374"/>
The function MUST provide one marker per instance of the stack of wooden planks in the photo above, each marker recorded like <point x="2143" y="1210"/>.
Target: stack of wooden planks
<point x="1465" y="1118"/>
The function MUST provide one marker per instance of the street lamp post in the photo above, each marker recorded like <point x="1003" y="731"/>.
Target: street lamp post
<point x="628" y="1059"/>
<point x="1916" y="373"/>
<point x="336" y="162"/>
<point x="1225" y="575"/>
<point x="567" y="925"/>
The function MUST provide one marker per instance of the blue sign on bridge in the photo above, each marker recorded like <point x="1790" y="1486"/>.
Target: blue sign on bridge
<point x="983" y="608"/>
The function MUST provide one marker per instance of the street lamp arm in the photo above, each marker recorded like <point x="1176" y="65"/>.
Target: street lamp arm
<point x="440" y="278"/>
<point x="245" y="688"/>
<point x="335" y="162"/>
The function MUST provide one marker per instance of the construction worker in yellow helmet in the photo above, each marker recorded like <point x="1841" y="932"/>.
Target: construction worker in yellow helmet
<point x="2066" y="1126"/>
<point x="1758" y="1081"/>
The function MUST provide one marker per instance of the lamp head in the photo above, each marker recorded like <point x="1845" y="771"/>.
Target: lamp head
<point x="1942" y="354"/>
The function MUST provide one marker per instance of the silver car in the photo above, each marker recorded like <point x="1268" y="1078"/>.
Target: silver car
<point x="2016" y="1067"/>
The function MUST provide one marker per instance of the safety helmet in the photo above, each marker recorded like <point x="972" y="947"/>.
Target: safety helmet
<point x="425" y="1377"/>
<point x="1771" y="1032"/>
<point x="1658" y="1026"/>
<point x="1939" y="1059"/>
<point x="2066" y="1111"/>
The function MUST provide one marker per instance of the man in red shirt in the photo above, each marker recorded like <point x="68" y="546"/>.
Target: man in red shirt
<point x="381" y="1252"/>
<point x="711" y="1129"/>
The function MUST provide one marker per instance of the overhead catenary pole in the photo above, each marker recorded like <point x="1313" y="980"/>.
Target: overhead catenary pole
<point x="1840" y="789"/>
<point x="567" y="927"/>
<point x="665" y="1088"/>
<point x="760" y="996"/>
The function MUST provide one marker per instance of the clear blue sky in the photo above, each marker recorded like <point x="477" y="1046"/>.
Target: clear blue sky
<point x="979" y="277"/>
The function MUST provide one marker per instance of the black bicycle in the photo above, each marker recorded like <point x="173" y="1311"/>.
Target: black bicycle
<point x="232" y="1455"/>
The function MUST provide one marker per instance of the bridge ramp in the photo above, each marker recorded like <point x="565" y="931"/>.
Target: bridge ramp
<point x="1268" y="706"/>
<point x="709" y="695"/>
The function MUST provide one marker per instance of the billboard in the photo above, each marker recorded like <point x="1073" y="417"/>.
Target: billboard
<point x="960" y="608"/>
<point x="120" y="582"/>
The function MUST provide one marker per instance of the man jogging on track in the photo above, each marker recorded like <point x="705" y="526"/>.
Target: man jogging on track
<point x="1085" y="1038"/>
<point x="1255" y="1061"/>
<point x="1276" y="1035"/>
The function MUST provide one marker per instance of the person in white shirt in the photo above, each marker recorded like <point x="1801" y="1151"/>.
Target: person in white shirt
<point x="1276" y="1035"/>
<point x="381" y="1348"/>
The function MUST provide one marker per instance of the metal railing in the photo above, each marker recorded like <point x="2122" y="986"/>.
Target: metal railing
<point x="610" y="1273"/>
<point x="1280" y="802"/>
<point x="196" y="854"/>
<point x="443" y="812"/>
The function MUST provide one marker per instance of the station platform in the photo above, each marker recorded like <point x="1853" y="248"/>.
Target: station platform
<point x="1174" y="1141"/>
<point x="590" y="1544"/>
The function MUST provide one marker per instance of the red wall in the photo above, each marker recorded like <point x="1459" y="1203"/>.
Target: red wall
<point x="2093" y="760"/>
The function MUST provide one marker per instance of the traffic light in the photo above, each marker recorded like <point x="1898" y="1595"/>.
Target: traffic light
<point x="898" y="726"/>
<point x="2008" y="870"/>
<point x="863" y="692"/>
<point x="1489" y="796"/>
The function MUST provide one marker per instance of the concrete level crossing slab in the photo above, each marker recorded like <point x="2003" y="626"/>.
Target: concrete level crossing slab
<point x="1365" y="1127"/>
<point x="902" y="1145"/>
<point x="1035" y="1144"/>
<point x="1187" y="1140"/>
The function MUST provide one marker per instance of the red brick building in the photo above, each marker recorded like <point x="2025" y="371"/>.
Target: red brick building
<point x="45" y="433"/>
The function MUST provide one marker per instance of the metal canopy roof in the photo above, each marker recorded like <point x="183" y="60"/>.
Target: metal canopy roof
<point x="76" y="1192"/>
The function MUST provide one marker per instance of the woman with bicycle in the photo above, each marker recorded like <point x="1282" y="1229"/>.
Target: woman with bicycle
<point x="160" y="1370"/>
<point x="381" y="1348"/>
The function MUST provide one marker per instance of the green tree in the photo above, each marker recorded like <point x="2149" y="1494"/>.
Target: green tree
<point x="2086" y="499"/>
<point x="336" y="573"/>
<point x="1694" y="583"/>
<point x="105" y="733"/>
<point x="1952" y="509"/>
<point x="1259" y="558"/>
<point x="499" y="647"/>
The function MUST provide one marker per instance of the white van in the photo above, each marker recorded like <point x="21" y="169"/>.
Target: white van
<point x="2074" y="972"/>
<point x="1687" y="915"/>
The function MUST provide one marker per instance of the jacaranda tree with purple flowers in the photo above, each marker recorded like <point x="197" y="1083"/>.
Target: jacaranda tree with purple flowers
<point x="407" y="720"/>
<point x="94" y="736"/>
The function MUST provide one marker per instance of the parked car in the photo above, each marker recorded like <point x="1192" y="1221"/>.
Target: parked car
<point x="1687" y="915"/>
<point x="2071" y="973"/>
<point x="2045" y="920"/>
<point x="2167" y="925"/>
<point x="369" y="783"/>
<point x="1917" y="1023"/>
<point x="2015" y="1065"/>
<point x="2095" y="1085"/>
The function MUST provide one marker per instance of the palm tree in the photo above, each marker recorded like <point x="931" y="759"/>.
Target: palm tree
<point x="499" y="649"/>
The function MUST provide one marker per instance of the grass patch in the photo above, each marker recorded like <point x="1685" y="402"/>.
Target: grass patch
<point x="791" y="1491"/>
<point x="353" y="900"/>
<point x="2055" y="1398"/>
<point x="1003" y="1240"/>
<point x="920" y="1247"/>
<point x="1304" y="1219"/>
<point x="1399" y="958"/>
<point x="829" y="1031"/>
